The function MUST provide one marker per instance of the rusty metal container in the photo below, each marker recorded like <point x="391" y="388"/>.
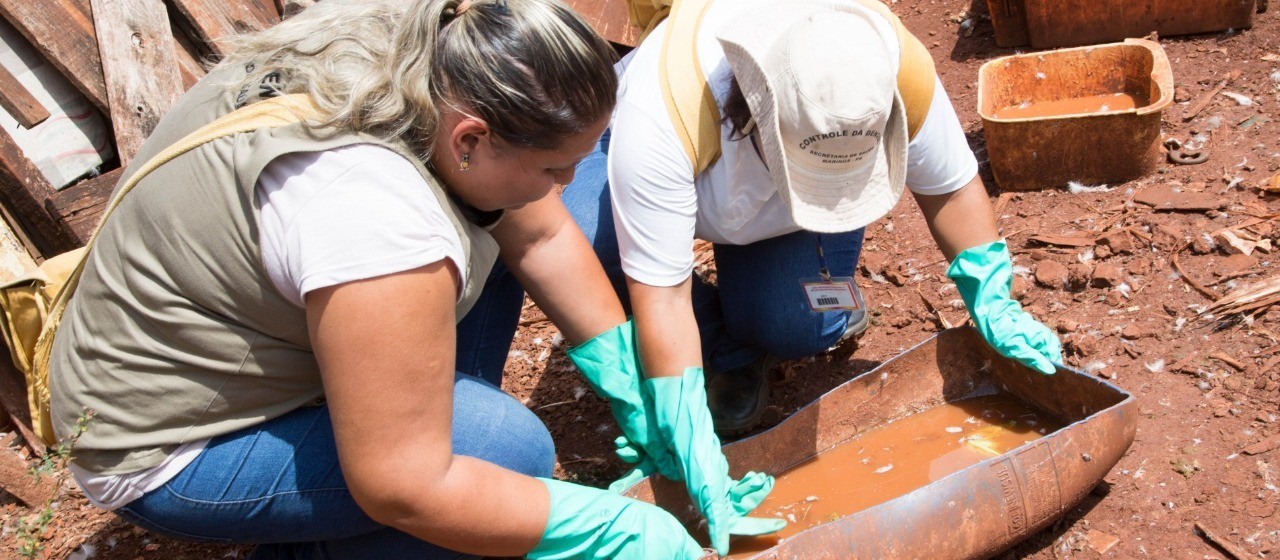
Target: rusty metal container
<point x="1047" y="24"/>
<point x="972" y="513"/>
<point x="1048" y="151"/>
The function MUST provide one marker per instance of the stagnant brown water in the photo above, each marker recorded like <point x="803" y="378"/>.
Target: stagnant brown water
<point x="895" y="459"/>
<point x="1074" y="106"/>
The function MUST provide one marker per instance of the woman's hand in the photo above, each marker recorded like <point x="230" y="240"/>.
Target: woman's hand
<point x="587" y="523"/>
<point x="984" y="276"/>
<point x="680" y="410"/>
<point x="964" y="226"/>
<point x="611" y="365"/>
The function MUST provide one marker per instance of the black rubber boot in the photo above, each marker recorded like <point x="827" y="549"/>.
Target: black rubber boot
<point x="737" y="397"/>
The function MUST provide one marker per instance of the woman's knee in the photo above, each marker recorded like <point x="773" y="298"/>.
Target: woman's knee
<point x="802" y="336"/>
<point x="528" y="443"/>
<point x="491" y="425"/>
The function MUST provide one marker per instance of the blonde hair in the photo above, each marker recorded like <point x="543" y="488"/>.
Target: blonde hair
<point x="531" y="69"/>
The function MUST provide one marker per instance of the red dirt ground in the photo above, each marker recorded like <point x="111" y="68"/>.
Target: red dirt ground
<point x="1208" y="388"/>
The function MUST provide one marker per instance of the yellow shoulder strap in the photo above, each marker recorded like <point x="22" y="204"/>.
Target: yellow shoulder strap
<point x="646" y="14"/>
<point x="268" y="113"/>
<point x="689" y="101"/>
<point x="916" y="73"/>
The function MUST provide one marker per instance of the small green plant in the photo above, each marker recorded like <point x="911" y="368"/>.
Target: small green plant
<point x="52" y="464"/>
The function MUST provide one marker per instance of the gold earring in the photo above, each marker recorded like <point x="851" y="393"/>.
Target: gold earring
<point x="466" y="163"/>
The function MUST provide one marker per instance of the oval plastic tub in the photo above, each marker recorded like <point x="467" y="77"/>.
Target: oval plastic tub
<point x="1063" y="23"/>
<point x="973" y="513"/>
<point x="1089" y="148"/>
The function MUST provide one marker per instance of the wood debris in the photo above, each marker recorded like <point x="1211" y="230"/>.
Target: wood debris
<point x="18" y="481"/>
<point x="1181" y="365"/>
<point x="1246" y="237"/>
<point x="1271" y="185"/>
<point x="19" y="102"/>
<point x="1248" y="299"/>
<point x="1262" y="446"/>
<point x="1101" y="542"/>
<point x="1234" y="244"/>
<point x="62" y="31"/>
<point x="1204" y="101"/>
<point x="1222" y="543"/>
<point x="136" y="44"/>
<point x="1270" y="364"/>
<point x="1082" y="240"/>
<point x="1164" y="198"/>
<point x="1227" y="360"/>
<point x="942" y="321"/>
<point x="1173" y="261"/>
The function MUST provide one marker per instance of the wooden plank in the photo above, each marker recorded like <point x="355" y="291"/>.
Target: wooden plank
<point x="79" y="206"/>
<point x="19" y="102"/>
<point x="23" y="190"/>
<point x="62" y="31"/>
<point x="15" y="254"/>
<point x="139" y="64"/>
<point x="609" y="18"/>
<point x="188" y="58"/>
<point x="14" y="225"/>
<point x="13" y="401"/>
<point x="290" y="8"/>
<point x="214" y="19"/>
<point x="18" y="481"/>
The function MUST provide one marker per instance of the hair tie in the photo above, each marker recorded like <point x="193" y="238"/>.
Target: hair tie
<point x="461" y="7"/>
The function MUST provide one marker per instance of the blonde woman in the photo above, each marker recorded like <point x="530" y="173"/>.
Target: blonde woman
<point x="266" y="326"/>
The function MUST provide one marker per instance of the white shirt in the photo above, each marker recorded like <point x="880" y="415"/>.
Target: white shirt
<point x="349" y="214"/>
<point x="659" y="207"/>
<point x="326" y="218"/>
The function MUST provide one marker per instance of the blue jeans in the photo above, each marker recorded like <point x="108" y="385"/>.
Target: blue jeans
<point x="759" y="306"/>
<point x="279" y="482"/>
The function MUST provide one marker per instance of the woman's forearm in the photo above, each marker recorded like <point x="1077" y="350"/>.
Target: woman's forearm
<point x="474" y="506"/>
<point x="554" y="262"/>
<point x="665" y="327"/>
<point x="389" y="384"/>
<point x="961" y="219"/>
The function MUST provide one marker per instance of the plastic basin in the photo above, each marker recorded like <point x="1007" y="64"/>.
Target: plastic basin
<point x="972" y="513"/>
<point x="1090" y="148"/>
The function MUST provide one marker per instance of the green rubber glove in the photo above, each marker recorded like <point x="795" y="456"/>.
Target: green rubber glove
<point x="589" y="523"/>
<point x="611" y="366"/>
<point x="984" y="276"/>
<point x="680" y="411"/>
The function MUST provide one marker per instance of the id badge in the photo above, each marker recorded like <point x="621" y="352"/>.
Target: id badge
<point x="835" y="294"/>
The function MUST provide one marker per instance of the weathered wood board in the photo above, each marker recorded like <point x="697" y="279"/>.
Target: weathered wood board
<point x="140" y="64"/>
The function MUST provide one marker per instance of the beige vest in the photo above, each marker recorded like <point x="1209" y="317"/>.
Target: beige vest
<point x="175" y="333"/>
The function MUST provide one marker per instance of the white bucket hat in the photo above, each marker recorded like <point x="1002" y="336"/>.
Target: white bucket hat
<point x="821" y="81"/>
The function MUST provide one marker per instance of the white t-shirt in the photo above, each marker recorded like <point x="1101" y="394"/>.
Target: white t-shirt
<point x="326" y="218"/>
<point x="659" y="207"/>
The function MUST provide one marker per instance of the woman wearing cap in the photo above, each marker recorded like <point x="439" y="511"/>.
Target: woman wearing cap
<point x="826" y="110"/>
<point x="265" y="328"/>
<point x="817" y="141"/>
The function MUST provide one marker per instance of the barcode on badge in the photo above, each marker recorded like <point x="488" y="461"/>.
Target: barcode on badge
<point x="828" y="301"/>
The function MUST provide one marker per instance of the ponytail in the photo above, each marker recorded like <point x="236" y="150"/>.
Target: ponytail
<point x="533" y="70"/>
